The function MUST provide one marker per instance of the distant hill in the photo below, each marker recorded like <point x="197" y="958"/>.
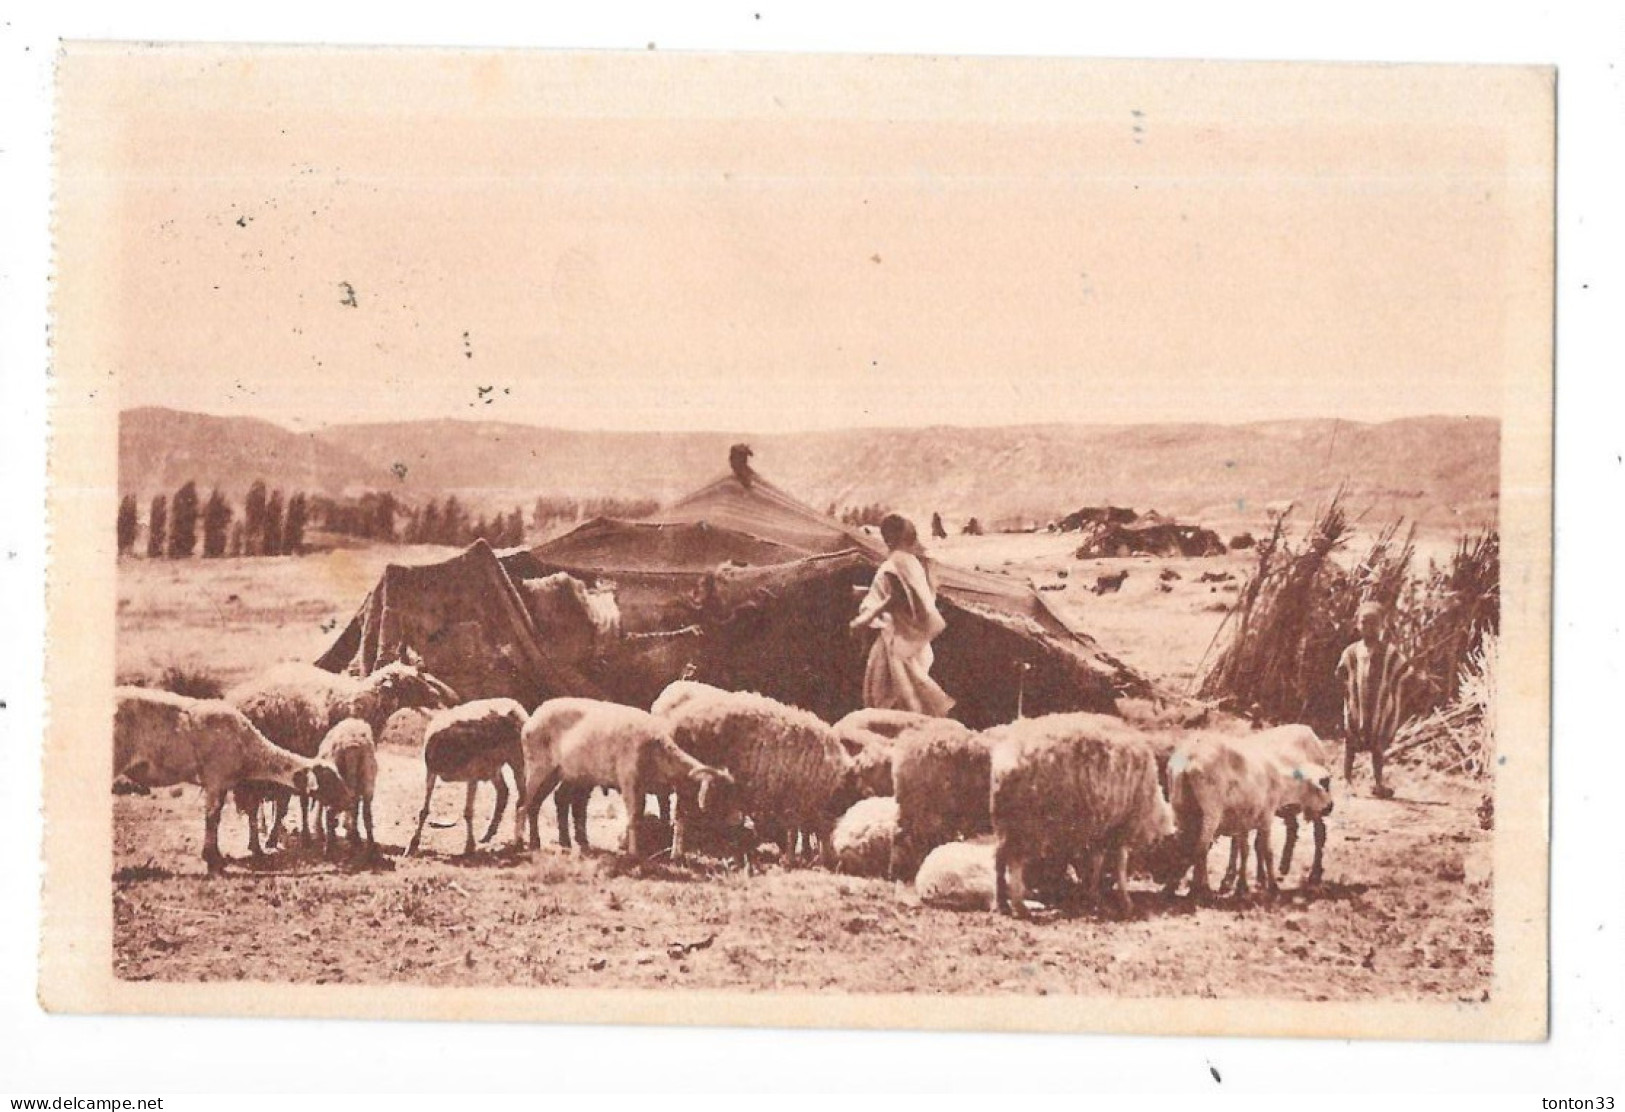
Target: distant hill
<point x="159" y="449"/>
<point x="1436" y="470"/>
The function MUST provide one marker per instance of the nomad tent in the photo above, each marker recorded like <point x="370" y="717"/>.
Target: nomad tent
<point x="739" y="585"/>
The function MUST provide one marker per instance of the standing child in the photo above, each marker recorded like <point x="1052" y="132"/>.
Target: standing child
<point x="1374" y="675"/>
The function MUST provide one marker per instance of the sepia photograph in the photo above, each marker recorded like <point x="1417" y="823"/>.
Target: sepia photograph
<point x="1001" y="543"/>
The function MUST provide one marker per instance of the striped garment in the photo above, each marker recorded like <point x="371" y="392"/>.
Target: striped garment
<point x="1374" y="679"/>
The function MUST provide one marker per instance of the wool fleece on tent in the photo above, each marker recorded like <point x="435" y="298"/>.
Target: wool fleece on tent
<point x="739" y="585"/>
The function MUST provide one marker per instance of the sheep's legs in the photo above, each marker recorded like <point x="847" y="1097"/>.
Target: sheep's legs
<point x="633" y="795"/>
<point x="518" y="811"/>
<point x="213" y="803"/>
<point x="1120" y="875"/>
<point x="423" y="816"/>
<point x="1238" y="851"/>
<point x="535" y="794"/>
<point x="253" y="812"/>
<point x="279" y="811"/>
<point x="1233" y="866"/>
<point x="1320" y="847"/>
<point x="468" y="811"/>
<point x="1291" y="842"/>
<point x="1266" y="862"/>
<point x="502" y="805"/>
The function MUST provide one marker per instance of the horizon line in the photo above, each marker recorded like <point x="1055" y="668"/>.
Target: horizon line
<point x="814" y="431"/>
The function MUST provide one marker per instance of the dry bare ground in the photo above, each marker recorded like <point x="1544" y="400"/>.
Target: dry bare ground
<point x="1405" y="912"/>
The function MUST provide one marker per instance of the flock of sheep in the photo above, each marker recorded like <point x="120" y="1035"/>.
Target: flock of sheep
<point x="1066" y="798"/>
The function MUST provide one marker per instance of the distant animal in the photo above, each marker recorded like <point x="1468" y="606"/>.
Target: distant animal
<point x="787" y="763"/>
<point x="296" y="704"/>
<point x="586" y="744"/>
<point x="161" y="739"/>
<point x="1106" y="584"/>
<point x="1072" y="790"/>
<point x="349" y="748"/>
<point x="1220" y="785"/>
<point x="1215" y="577"/>
<point x="471" y="744"/>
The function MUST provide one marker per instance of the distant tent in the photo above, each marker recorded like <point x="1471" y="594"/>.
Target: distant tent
<point x="741" y="586"/>
<point x="1165" y="539"/>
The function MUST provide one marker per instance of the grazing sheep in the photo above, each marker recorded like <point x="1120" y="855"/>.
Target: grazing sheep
<point x="1067" y="790"/>
<point x="471" y="744"/>
<point x="296" y="704"/>
<point x="349" y="748"/>
<point x="585" y="744"/>
<point x="958" y="876"/>
<point x="940" y="778"/>
<point x="862" y="839"/>
<point x="787" y="763"/>
<point x="160" y="739"/>
<point x="1224" y="785"/>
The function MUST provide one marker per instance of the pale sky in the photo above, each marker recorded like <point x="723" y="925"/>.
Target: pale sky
<point x="651" y="242"/>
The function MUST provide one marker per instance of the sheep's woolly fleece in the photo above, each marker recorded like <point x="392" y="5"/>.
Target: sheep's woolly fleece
<point x="786" y="762"/>
<point x="1063" y="783"/>
<point x="941" y="776"/>
<point x="863" y="837"/>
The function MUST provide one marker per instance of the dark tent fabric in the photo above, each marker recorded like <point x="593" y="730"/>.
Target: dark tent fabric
<point x="742" y="587"/>
<point x="726" y="521"/>
<point x="748" y="588"/>
<point x="468" y="623"/>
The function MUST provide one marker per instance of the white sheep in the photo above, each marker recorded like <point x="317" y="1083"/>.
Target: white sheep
<point x="471" y="744"/>
<point x="1223" y="784"/>
<point x="296" y="704"/>
<point x="583" y="743"/>
<point x="862" y="839"/>
<point x="787" y="763"/>
<point x="161" y="739"/>
<point x="349" y="747"/>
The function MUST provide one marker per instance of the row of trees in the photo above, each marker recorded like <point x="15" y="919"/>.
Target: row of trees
<point x="270" y="526"/>
<point x="451" y="523"/>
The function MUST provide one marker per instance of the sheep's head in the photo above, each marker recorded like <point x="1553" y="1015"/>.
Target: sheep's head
<point x="404" y="685"/>
<point x="322" y="782"/>
<point x="718" y="794"/>
<point x="1311" y="790"/>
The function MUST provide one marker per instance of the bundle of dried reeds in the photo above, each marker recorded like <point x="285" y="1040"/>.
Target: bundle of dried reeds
<point x="1460" y="736"/>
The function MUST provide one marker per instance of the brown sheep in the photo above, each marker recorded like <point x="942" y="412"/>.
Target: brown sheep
<point x="472" y="744"/>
